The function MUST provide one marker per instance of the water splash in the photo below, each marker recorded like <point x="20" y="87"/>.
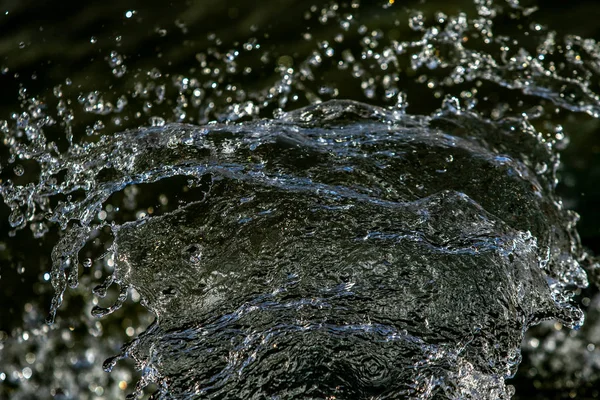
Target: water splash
<point x="337" y="223"/>
<point x="355" y="245"/>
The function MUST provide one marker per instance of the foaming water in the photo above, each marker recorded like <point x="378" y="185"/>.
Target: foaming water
<point x="338" y="250"/>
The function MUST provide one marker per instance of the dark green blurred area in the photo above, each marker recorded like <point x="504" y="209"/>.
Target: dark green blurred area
<point x="44" y="43"/>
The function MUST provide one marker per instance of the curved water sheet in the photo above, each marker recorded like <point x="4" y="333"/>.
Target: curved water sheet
<point x="339" y="251"/>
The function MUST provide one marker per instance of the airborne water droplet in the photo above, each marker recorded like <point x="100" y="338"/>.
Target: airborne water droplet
<point x="19" y="170"/>
<point x="451" y="104"/>
<point x="541" y="168"/>
<point x="416" y="21"/>
<point x="16" y="218"/>
<point x="157" y="121"/>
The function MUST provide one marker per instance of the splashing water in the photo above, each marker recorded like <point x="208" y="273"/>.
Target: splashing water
<point x="337" y="250"/>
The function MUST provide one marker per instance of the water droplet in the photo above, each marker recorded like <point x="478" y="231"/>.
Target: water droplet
<point x="451" y="104"/>
<point x="157" y="121"/>
<point x="115" y="59"/>
<point x="541" y="168"/>
<point x="16" y="218"/>
<point x="416" y="21"/>
<point x="27" y="372"/>
<point x="19" y="170"/>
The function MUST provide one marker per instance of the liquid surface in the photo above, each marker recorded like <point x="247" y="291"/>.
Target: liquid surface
<point x="341" y="249"/>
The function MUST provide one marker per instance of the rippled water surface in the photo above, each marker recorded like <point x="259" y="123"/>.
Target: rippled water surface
<point x="339" y="201"/>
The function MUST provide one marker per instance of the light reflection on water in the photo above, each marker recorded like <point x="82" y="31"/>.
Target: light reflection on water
<point x="66" y="165"/>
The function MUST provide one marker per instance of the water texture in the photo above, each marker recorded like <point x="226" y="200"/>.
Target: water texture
<point x="340" y="250"/>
